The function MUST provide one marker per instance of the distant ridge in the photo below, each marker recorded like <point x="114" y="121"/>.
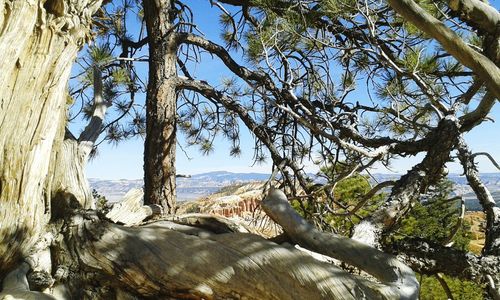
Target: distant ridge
<point x="200" y="185"/>
<point x="193" y="187"/>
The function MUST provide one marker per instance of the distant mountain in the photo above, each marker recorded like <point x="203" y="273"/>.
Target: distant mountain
<point x="189" y="188"/>
<point x="114" y="190"/>
<point x="224" y="176"/>
<point x="200" y="185"/>
<point x="461" y="188"/>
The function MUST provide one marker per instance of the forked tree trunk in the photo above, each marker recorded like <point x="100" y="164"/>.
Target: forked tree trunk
<point x="39" y="41"/>
<point x="160" y="144"/>
<point x="70" y="183"/>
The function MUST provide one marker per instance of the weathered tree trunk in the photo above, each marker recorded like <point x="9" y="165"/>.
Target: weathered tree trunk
<point x="39" y="41"/>
<point x="409" y="187"/>
<point x="70" y="182"/>
<point x="160" y="144"/>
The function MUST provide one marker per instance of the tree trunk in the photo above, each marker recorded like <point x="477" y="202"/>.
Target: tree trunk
<point x="70" y="182"/>
<point x="160" y="144"/>
<point x="409" y="187"/>
<point x="39" y="41"/>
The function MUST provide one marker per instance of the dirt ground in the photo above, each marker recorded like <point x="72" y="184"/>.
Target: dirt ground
<point x="477" y="220"/>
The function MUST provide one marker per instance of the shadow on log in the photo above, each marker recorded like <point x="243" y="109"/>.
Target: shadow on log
<point x="167" y="260"/>
<point x="164" y="259"/>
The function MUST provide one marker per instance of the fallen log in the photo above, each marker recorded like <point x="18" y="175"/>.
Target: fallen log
<point x="165" y="259"/>
<point x="400" y="281"/>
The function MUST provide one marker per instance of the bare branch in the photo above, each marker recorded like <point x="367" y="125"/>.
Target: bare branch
<point x="451" y="42"/>
<point x="492" y="240"/>
<point x="409" y="186"/>
<point x="261" y="132"/>
<point x="477" y="13"/>
<point x="430" y="258"/>
<point x="449" y="241"/>
<point x="478" y="115"/>
<point x="92" y="131"/>
<point x="400" y="280"/>
<point x="444" y="285"/>
<point x="493" y="161"/>
<point x="368" y="196"/>
<point x="492" y="287"/>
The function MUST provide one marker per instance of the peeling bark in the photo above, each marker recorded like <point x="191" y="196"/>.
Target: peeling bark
<point x="38" y="47"/>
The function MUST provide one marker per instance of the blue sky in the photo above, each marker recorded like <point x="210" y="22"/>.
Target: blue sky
<point x="126" y="159"/>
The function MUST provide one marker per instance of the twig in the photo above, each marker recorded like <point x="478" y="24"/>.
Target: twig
<point x="445" y="286"/>
<point x="493" y="161"/>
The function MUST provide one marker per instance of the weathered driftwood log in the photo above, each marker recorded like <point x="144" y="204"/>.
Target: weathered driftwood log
<point x="165" y="259"/>
<point x="131" y="211"/>
<point x="399" y="279"/>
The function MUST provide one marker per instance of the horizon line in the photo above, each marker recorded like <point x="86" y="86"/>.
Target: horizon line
<point x="259" y="173"/>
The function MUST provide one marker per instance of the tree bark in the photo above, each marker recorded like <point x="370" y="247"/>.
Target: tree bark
<point x="161" y="98"/>
<point x="409" y="187"/>
<point x="39" y="41"/>
<point x="70" y="182"/>
<point x="431" y="258"/>
<point x="492" y="211"/>
<point x="167" y="260"/>
<point x="130" y="210"/>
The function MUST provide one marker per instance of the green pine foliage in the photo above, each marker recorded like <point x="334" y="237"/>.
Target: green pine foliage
<point x="100" y="53"/>
<point x="101" y="201"/>
<point x="435" y="219"/>
<point x="431" y="289"/>
<point x="349" y="192"/>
